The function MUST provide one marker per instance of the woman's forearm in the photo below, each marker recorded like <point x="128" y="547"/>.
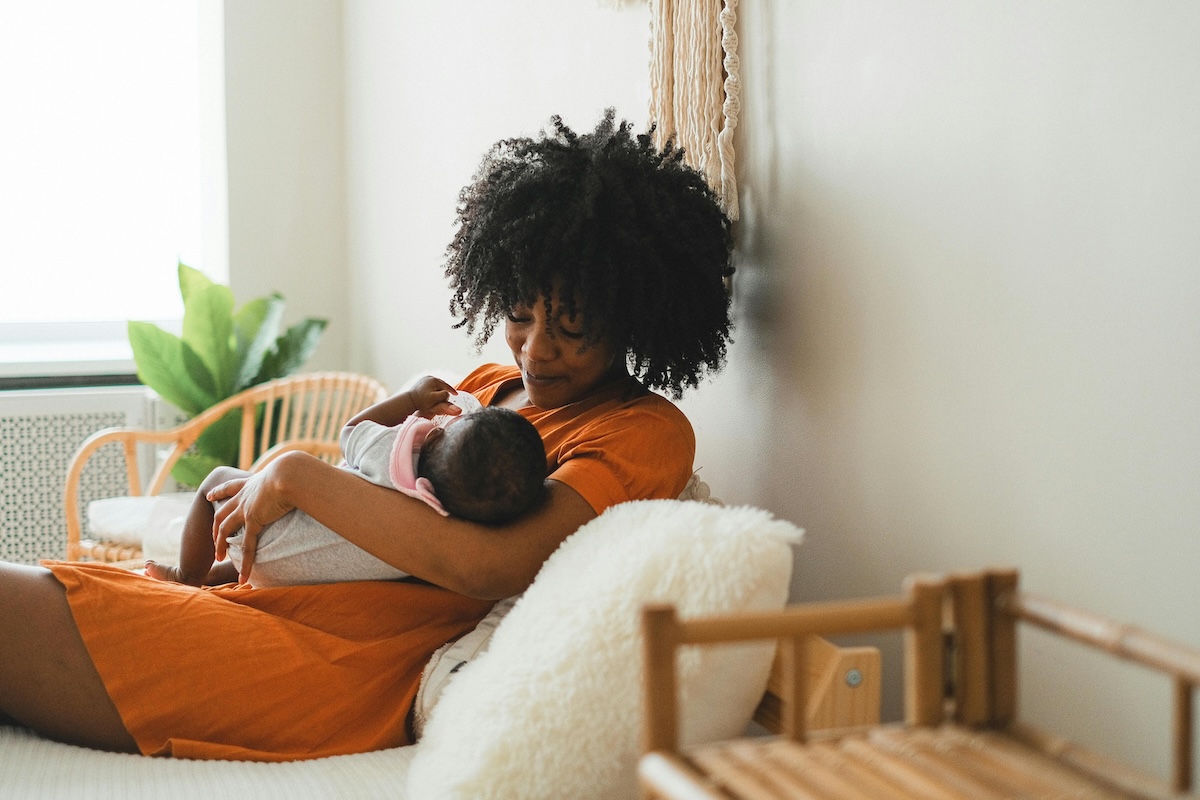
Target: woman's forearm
<point x="476" y="560"/>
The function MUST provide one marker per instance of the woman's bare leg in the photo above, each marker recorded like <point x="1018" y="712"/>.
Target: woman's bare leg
<point x="47" y="679"/>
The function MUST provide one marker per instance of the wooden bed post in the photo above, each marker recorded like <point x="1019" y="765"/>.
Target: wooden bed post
<point x="660" y="637"/>
<point x="971" y="633"/>
<point x="1002" y="645"/>
<point x="795" y="702"/>
<point x="924" y="650"/>
<point x="1181" y="761"/>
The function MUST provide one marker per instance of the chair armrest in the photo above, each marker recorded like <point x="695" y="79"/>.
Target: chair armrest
<point x="129" y="439"/>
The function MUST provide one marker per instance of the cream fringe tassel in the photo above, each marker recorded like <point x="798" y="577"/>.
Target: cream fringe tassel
<point x="695" y="88"/>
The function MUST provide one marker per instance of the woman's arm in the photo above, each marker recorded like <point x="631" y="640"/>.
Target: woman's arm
<point x="483" y="561"/>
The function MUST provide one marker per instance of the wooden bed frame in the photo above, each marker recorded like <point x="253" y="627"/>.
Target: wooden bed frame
<point x="960" y="738"/>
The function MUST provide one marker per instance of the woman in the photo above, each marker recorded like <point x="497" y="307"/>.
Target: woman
<point x="605" y="262"/>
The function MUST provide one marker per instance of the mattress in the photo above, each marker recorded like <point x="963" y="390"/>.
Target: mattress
<point x="33" y="768"/>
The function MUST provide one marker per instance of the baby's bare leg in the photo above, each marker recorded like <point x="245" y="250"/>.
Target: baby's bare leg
<point x="197" y="549"/>
<point x="47" y="679"/>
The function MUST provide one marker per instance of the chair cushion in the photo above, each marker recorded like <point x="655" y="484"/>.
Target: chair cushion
<point x="150" y="520"/>
<point x="552" y="709"/>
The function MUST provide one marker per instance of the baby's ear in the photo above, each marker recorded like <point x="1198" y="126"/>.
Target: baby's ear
<point x="423" y="490"/>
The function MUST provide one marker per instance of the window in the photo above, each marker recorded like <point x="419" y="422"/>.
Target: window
<point x="111" y="167"/>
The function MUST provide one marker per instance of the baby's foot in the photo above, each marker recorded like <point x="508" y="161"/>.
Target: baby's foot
<point x="166" y="572"/>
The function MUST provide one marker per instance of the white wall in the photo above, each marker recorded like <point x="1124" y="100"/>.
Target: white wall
<point x="430" y="87"/>
<point x="967" y="283"/>
<point x="980" y="224"/>
<point x="286" y="157"/>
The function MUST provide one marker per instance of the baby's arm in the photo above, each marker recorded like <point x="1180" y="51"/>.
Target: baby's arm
<point x="428" y="397"/>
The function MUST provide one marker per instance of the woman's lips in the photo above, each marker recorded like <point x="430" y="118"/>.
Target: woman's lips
<point x="539" y="380"/>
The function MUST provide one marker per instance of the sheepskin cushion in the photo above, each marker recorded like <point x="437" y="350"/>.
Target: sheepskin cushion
<point x="553" y="708"/>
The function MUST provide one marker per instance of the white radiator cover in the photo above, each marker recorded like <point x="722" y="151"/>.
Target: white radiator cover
<point x="39" y="432"/>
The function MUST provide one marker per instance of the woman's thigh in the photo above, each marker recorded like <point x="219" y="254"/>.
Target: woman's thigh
<point x="47" y="679"/>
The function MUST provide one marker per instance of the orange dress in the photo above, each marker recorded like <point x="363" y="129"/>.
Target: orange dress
<point x="293" y="672"/>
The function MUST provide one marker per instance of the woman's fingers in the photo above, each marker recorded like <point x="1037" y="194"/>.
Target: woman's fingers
<point x="249" y="546"/>
<point x="227" y="489"/>
<point x="230" y="516"/>
<point x="228" y="520"/>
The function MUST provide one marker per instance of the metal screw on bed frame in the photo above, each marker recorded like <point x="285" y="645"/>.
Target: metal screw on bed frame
<point x="853" y="678"/>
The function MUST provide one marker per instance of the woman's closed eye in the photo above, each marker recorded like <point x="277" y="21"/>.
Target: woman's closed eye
<point x="571" y="330"/>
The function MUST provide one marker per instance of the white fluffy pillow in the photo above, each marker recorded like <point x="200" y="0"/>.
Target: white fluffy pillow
<point x="553" y="708"/>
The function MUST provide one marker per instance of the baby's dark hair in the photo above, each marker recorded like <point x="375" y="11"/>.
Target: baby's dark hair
<point x="490" y="466"/>
<point x="631" y="236"/>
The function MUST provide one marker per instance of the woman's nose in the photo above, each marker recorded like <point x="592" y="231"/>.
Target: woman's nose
<point x="540" y="344"/>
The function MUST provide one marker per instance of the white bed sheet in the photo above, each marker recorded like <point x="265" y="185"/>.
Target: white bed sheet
<point x="32" y="768"/>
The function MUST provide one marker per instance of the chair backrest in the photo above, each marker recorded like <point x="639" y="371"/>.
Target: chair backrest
<point x="304" y="412"/>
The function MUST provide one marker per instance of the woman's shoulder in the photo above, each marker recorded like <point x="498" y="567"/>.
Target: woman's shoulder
<point x="486" y="378"/>
<point x="631" y="396"/>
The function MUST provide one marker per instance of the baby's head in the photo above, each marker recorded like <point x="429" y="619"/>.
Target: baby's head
<point x="487" y="466"/>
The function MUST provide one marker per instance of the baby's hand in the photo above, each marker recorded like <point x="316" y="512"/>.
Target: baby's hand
<point x="432" y="397"/>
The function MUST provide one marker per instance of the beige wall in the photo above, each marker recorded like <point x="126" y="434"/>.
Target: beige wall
<point x="967" y="285"/>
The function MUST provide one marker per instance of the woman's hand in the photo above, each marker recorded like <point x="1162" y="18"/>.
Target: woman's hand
<point x="250" y="503"/>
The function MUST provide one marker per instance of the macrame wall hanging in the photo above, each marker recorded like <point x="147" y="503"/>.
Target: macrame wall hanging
<point x="695" y="89"/>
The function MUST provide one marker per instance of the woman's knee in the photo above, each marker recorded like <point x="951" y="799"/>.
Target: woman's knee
<point x="220" y="475"/>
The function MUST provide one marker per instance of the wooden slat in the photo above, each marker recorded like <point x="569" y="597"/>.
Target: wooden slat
<point x="660" y="637"/>
<point x="1181" y="735"/>
<point x="1002" y="646"/>
<point x="877" y="786"/>
<point x="854" y="616"/>
<point x="898" y="770"/>
<point x="744" y="781"/>
<point x="795" y="675"/>
<point x="924" y="671"/>
<point x="1127" y="642"/>
<point x="972" y="667"/>
<point x="1112" y="774"/>
<point x="1055" y="779"/>
<point x="667" y="776"/>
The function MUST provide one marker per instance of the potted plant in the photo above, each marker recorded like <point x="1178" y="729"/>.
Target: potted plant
<point x="220" y="352"/>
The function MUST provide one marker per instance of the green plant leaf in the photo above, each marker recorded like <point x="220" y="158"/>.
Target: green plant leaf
<point x="292" y="349"/>
<point x="221" y="439"/>
<point x="208" y="330"/>
<point x="190" y="279"/>
<point x="217" y="446"/>
<point x="191" y="469"/>
<point x="255" y="327"/>
<point x="159" y="359"/>
<point x="197" y="371"/>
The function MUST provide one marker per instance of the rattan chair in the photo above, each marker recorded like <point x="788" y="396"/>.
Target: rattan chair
<point x="306" y="412"/>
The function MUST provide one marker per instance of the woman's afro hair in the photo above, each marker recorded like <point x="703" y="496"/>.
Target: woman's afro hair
<point x="631" y="237"/>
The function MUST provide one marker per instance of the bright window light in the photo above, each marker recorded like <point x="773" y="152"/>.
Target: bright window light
<point x="100" y="158"/>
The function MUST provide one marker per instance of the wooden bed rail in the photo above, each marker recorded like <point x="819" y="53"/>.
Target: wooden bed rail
<point x="984" y="610"/>
<point x="962" y="628"/>
<point x="920" y="613"/>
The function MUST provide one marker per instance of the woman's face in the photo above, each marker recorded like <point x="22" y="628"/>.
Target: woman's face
<point x="557" y="366"/>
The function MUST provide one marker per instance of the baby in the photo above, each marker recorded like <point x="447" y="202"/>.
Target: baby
<point x="485" y="464"/>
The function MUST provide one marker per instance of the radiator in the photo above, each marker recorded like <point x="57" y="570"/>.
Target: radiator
<point x="39" y="432"/>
